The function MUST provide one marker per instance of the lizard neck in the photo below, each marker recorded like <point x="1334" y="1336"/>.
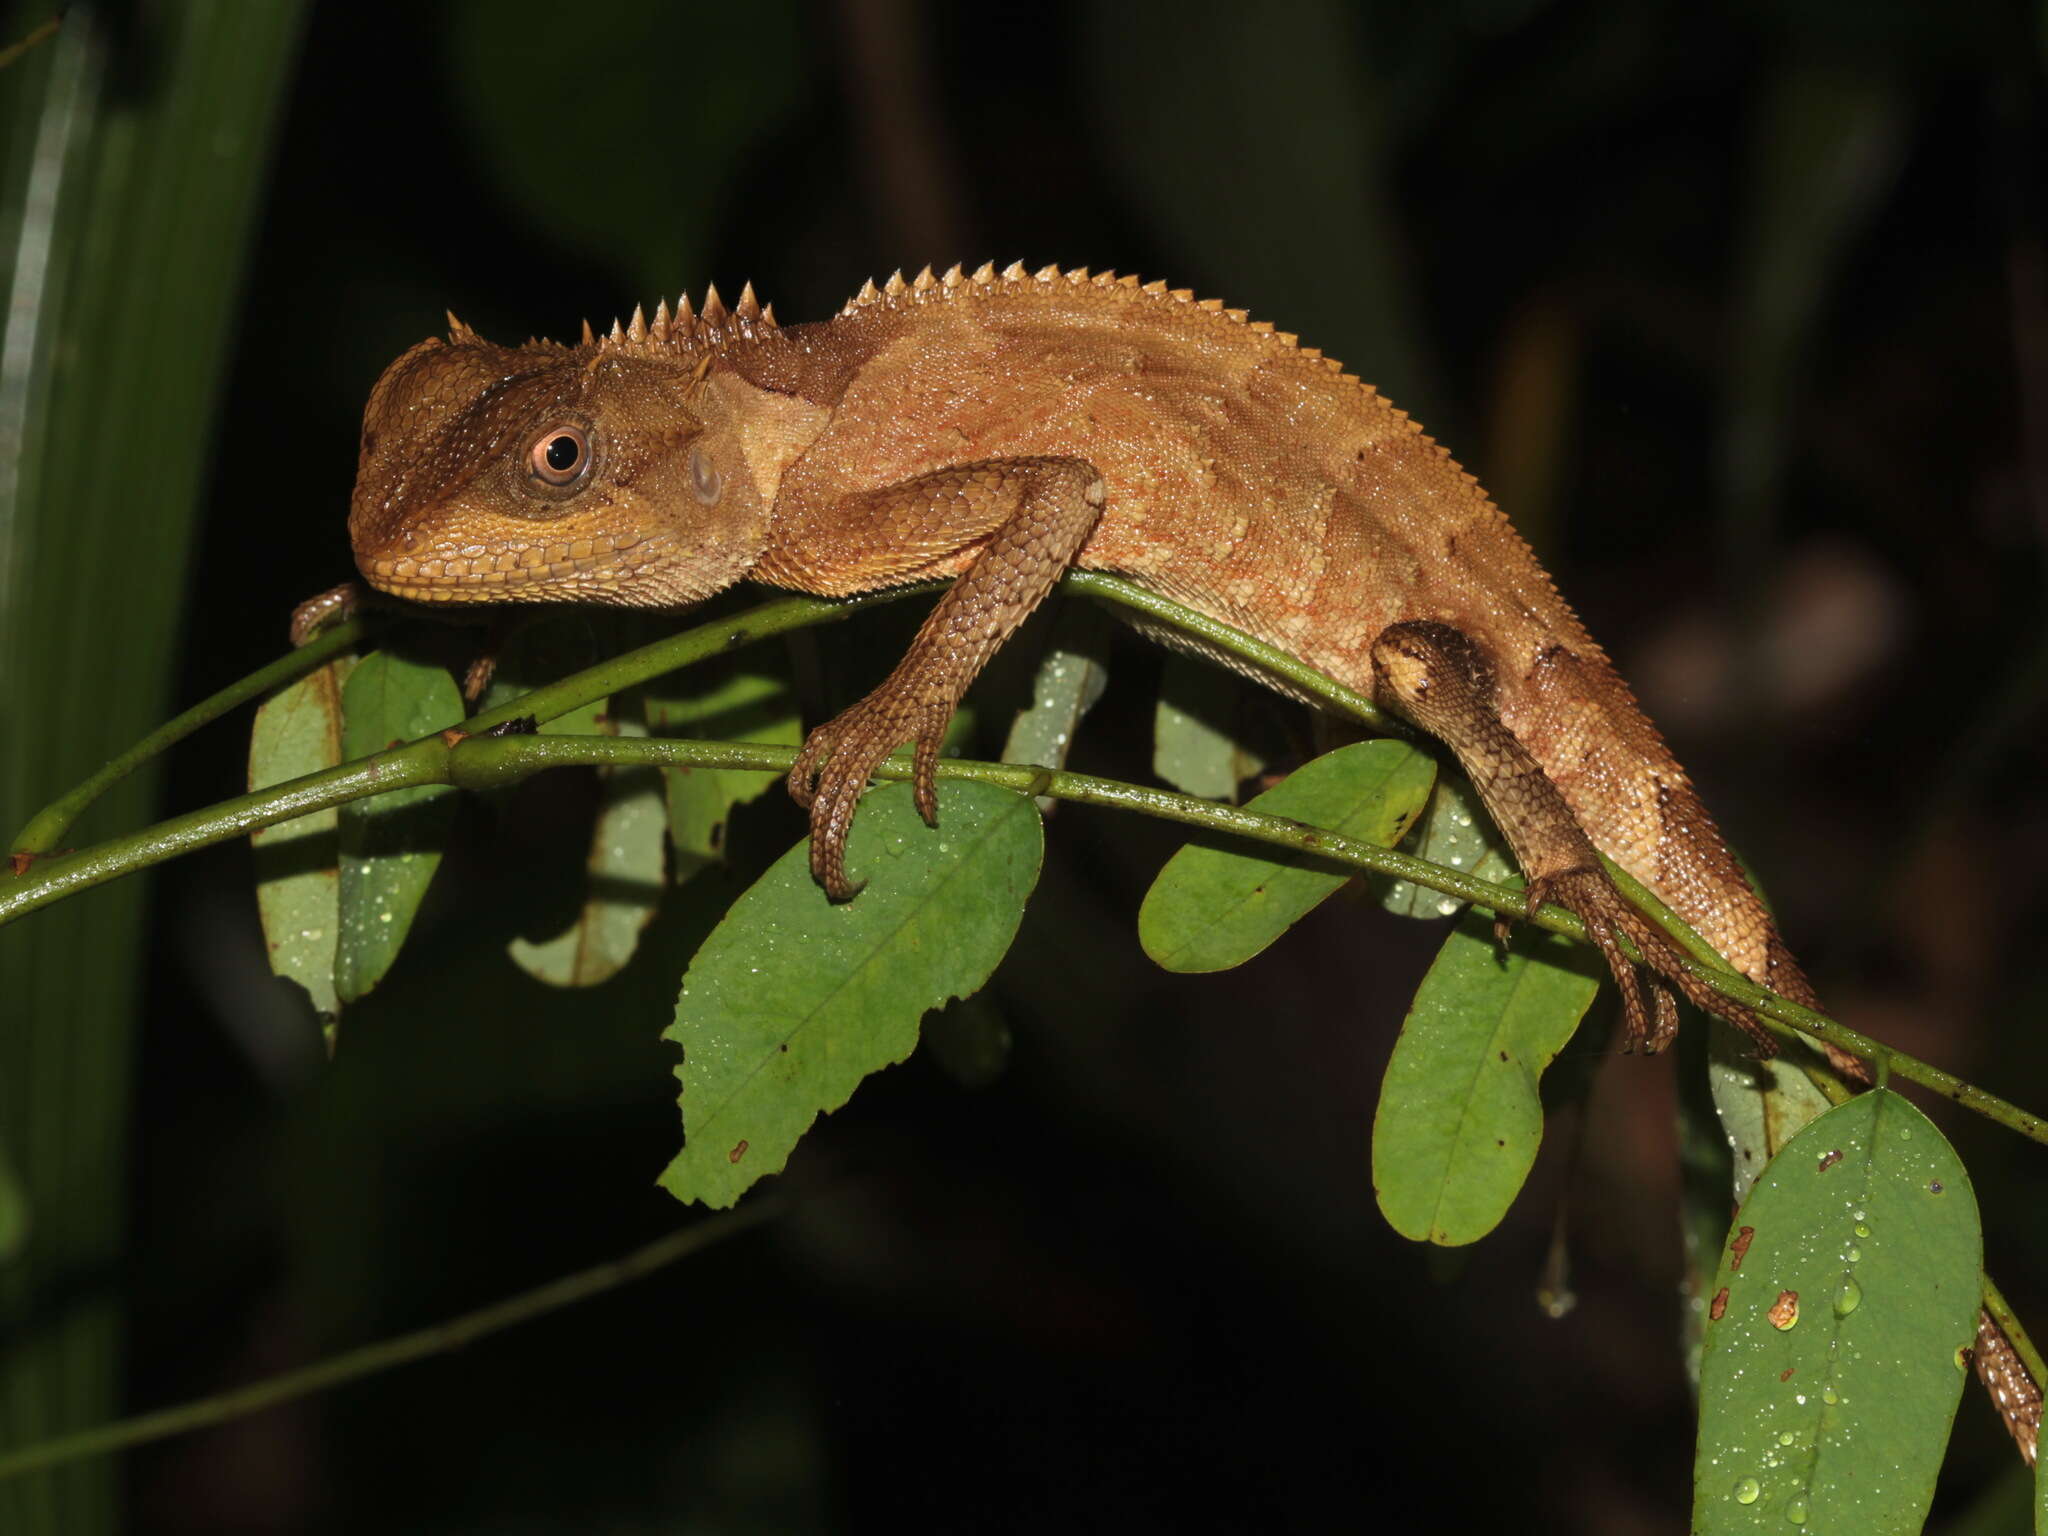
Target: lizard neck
<point x="758" y="430"/>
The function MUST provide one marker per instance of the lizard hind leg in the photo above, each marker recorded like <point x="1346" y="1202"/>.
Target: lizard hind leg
<point x="1439" y="678"/>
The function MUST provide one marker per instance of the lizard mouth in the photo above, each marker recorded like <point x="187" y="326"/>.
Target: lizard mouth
<point x="480" y="573"/>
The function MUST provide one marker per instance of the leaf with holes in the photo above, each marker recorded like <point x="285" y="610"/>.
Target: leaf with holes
<point x="794" y="998"/>
<point x="1844" y="1302"/>
<point x="1215" y="905"/>
<point x="1460" y="1117"/>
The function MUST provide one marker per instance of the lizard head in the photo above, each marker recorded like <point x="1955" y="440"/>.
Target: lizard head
<point x="550" y="473"/>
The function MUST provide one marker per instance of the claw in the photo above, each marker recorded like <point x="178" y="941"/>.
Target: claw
<point x="1608" y="917"/>
<point x="833" y="768"/>
<point x="924" y="779"/>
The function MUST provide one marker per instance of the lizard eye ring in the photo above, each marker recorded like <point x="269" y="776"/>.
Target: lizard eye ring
<point x="560" y="456"/>
<point x="706" y="483"/>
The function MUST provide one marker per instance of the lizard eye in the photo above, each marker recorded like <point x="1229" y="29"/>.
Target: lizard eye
<point x="560" y="456"/>
<point x="706" y="483"/>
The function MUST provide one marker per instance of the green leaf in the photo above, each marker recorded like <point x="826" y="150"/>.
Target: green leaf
<point x="1460" y="1118"/>
<point x="1705" y="1168"/>
<point x="136" y="147"/>
<point x="298" y="885"/>
<point x="726" y="700"/>
<point x="390" y="845"/>
<point x="624" y="873"/>
<point x="1193" y="747"/>
<point x="794" y="999"/>
<point x="1216" y="906"/>
<point x="1762" y="1104"/>
<point x="548" y="649"/>
<point x="1845" y="1297"/>
<point x="1457" y="833"/>
<point x="1070" y="678"/>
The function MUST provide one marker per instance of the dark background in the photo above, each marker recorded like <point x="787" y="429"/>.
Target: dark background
<point x="1743" y="314"/>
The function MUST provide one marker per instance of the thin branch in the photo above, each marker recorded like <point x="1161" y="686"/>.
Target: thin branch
<point x="484" y="762"/>
<point x="47" y="828"/>
<point x="438" y="1339"/>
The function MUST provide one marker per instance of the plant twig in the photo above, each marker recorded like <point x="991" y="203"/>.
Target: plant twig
<point x="438" y="1339"/>
<point x="48" y="826"/>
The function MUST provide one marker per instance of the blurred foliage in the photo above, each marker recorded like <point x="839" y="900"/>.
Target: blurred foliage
<point x="136" y="147"/>
<point x="1579" y="237"/>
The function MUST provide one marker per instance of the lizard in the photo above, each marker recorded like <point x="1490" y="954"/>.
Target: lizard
<point x="1001" y="428"/>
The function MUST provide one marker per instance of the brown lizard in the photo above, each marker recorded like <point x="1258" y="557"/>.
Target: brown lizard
<point x="1000" y="429"/>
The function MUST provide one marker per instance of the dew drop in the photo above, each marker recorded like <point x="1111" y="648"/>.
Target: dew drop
<point x="1857" y="1216"/>
<point x="1786" y="1437"/>
<point x="1848" y="1298"/>
<point x="1748" y="1491"/>
<point x="1829" y="1396"/>
<point x="1905" y="1133"/>
<point x="1862" y="1230"/>
<point x="1854" y="1255"/>
<point x="1796" y="1511"/>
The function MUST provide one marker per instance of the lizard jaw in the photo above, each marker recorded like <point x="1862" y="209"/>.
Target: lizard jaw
<point x="479" y="573"/>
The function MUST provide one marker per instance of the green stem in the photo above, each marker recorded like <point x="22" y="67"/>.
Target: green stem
<point x="480" y="762"/>
<point x="437" y="1339"/>
<point x="50" y="824"/>
<point x="777" y="616"/>
<point x="1298" y="675"/>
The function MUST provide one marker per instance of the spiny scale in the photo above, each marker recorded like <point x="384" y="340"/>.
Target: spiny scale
<point x="925" y="288"/>
<point x="685" y="328"/>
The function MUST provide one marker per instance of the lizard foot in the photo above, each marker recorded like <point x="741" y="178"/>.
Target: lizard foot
<point x="840" y="756"/>
<point x="1608" y="917"/>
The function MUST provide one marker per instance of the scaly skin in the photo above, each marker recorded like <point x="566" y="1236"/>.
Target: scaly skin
<point x="1000" y="428"/>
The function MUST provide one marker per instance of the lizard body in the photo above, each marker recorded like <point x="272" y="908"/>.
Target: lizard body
<point x="999" y="428"/>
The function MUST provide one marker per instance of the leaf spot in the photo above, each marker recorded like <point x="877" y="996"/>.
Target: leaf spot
<point x="1739" y="1249"/>
<point x="1784" y="1313"/>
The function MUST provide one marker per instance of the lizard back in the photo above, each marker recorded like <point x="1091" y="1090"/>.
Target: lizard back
<point x="1256" y="481"/>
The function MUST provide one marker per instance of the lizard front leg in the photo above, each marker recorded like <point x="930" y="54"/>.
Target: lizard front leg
<point x="1438" y="678"/>
<point x="1029" y="517"/>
